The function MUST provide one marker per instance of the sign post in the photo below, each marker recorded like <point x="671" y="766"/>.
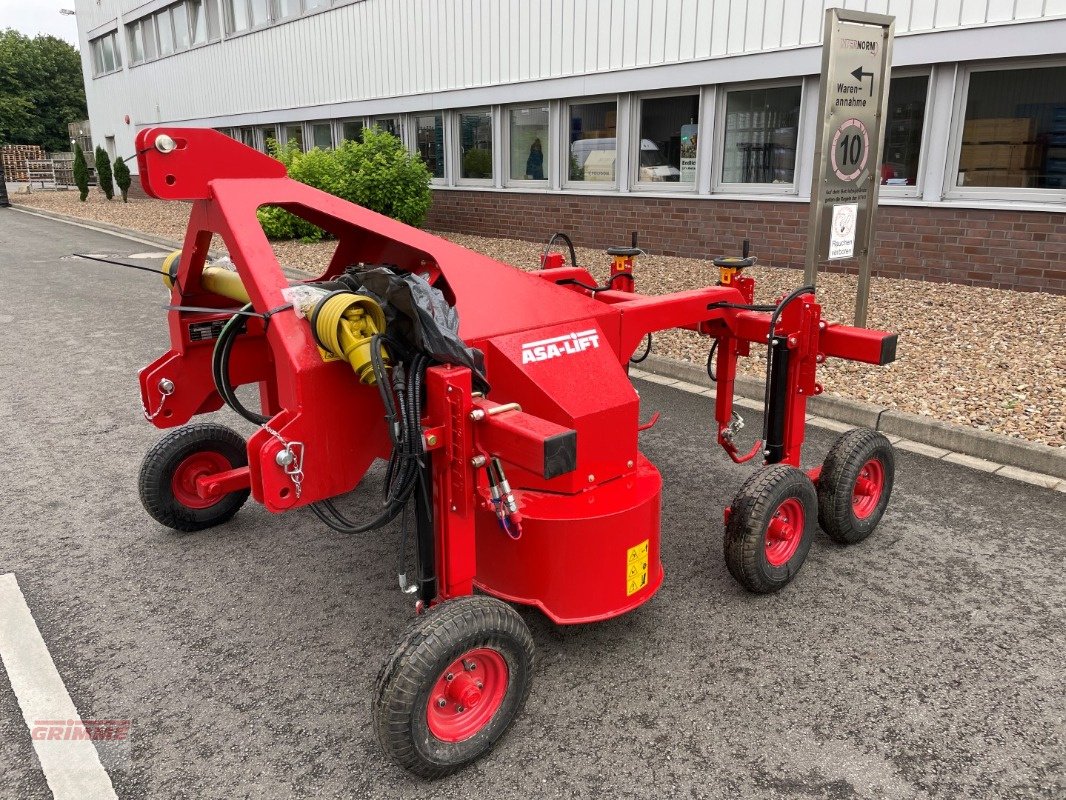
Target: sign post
<point x="853" y="101"/>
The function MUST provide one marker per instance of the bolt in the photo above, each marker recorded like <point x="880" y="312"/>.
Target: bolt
<point x="477" y="461"/>
<point x="284" y="458"/>
<point x="479" y="684"/>
<point x="801" y="391"/>
<point x="470" y="666"/>
<point x="477" y="415"/>
<point x="459" y="709"/>
<point x="820" y="358"/>
<point x="441" y="702"/>
<point x="455" y="508"/>
<point x="629" y="465"/>
<point x="449" y="390"/>
<point x="592" y="478"/>
<point x="431" y="440"/>
<point x="449" y="676"/>
<point x="166" y="386"/>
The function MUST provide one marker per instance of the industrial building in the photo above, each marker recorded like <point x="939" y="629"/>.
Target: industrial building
<point x="691" y="121"/>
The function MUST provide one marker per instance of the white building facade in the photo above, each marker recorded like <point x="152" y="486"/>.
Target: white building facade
<point x="661" y="110"/>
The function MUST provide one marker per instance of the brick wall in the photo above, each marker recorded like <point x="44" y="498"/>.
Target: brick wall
<point x="1024" y="250"/>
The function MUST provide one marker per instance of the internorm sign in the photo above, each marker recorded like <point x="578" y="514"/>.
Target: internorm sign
<point x="856" y="59"/>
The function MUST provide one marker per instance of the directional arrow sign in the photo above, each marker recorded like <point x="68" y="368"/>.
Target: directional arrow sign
<point x="859" y="73"/>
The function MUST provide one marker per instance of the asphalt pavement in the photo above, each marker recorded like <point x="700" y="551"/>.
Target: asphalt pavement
<point x="925" y="662"/>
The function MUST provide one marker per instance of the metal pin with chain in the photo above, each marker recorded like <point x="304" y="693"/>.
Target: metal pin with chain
<point x="290" y="459"/>
<point x="166" y="389"/>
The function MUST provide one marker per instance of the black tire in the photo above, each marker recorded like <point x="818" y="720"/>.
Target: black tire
<point x="432" y="643"/>
<point x="760" y="560"/>
<point x="845" y="518"/>
<point x="162" y="461"/>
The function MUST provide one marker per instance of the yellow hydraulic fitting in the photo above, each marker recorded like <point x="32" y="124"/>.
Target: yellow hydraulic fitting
<point x="217" y="280"/>
<point x="729" y="267"/>
<point x="344" y="324"/>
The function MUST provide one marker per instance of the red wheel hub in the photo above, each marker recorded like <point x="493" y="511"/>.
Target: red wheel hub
<point x="467" y="695"/>
<point x="868" y="488"/>
<point x="785" y="532"/>
<point x="183" y="482"/>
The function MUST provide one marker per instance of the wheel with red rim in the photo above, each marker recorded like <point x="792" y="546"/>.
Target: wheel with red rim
<point x="453" y="686"/>
<point x="855" y="485"/>
<point x="768" y="531"/>
<point x="169" y="473"/>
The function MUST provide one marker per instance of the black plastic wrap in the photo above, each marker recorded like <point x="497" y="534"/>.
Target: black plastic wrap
<point x="419" y="314"/>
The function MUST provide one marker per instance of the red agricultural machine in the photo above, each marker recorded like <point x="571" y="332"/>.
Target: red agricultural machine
<point x="500" y="401"/>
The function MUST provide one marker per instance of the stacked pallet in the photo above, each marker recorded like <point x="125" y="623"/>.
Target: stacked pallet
<point x="1000" y="152"/>
<point x="14" y="158"/>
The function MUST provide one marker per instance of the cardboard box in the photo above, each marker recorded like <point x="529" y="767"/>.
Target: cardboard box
<point x="1009" y="130"/>
<point x="999" y="156"/>
<point x="999" y="178"/>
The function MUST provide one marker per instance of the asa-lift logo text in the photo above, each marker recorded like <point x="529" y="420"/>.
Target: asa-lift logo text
<point x="565" y="345"/>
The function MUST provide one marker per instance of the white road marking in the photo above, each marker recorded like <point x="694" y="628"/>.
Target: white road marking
<point x="151" y="255"/>
<point x="72" y="768"/>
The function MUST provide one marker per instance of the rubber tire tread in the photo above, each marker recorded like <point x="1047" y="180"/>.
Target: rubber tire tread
<point x="750" y="514"/>
<point x="157" y="470"/>
<point x="430" y="643"/>
<point x="837" y="480"/>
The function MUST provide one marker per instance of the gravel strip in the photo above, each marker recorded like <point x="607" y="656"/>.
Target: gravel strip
<point x="986" y="358"/>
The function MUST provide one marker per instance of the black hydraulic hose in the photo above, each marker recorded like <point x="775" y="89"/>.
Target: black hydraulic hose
<point x="220" y="359"/>
<point x="647" y="352"/>
<point x="569" y="244"/>
<point x="770" y="351"/>
<point x="710" y="362"/>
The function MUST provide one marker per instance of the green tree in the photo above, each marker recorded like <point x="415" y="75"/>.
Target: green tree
<point x="103" y="173"/>
<point x="41" y="90"/>
<point x="122" y="178"/>
<point x="81" y="172"/>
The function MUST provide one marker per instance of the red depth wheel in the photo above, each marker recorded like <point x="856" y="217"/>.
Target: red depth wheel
<point x="198" y="465"/>
<point x="467" y="695"/>
<point x="866" y="495"/>
<point x="785" y="532"/>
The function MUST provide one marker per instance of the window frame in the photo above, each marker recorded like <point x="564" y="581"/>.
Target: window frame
<point x="637" y="185"/>
<point x="563" y="132"/>
<point x="457" y="144"/>
<point x="885" y="190"/>
<point x="322" y="123"/>
<point x="412" y="139"/>
<point x="549" y="160"/>
<point x="720" y="186"/>
<point x="96" y="54"/>
<point x="261" y="138"/>
<point x="953" y="192"/>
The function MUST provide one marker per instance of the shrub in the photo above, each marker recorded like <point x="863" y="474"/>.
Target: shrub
<point x="81" y="172"/>
<point x="377" y="172"/>
<point x="103" y="173"/>
<point x="122" y="178"/>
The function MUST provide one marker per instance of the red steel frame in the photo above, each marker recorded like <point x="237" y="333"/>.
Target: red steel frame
<point x="588" y="532"/>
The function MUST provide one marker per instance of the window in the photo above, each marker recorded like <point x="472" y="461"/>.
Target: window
<point x="322" y="135"/>
<point x="667" y="145"/>
<point x="429" y="141"/>
<point x="235" y="14"/>
<point x="592" y="142"/>
<point x="240" y="15"/>
<point x="174" y="29"/>
<point x="352" y="130"/>
<point x="475" y="145"/>
<point x="903" y="130"/>
<point x="166" y="33"/>
<point x="245" y="136"/>
<point x="267" y="134"/>
<point x="135" y="34"/>
<point x="258" y="12"/>
<point x="106" y="56"/>
<point x="1014" y="133"/>
<point x="761" y="132"/>
<point x="528" y="142"/>
<point x="387" y="124"/>
<point x="294" y="133"/>
<point x="289" y="8"/>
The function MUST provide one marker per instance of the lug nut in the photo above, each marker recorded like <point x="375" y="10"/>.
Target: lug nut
<point x="459" y="709"/>
<point x="470" y="666"/>
<point x="441" y="702"/>
<point x="449" y="677"/>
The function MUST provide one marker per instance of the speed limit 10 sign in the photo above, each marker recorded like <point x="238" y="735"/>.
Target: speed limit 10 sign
<point x="856" y="58"/>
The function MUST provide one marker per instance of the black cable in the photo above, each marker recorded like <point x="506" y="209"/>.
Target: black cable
<point x="220" y="359"/>
<point x="569" y="244"/>
<point x="710" y="362"/>
<point x="154" y="270"/>
<point x="647" y="352"/>
<point x="741" y="306"/>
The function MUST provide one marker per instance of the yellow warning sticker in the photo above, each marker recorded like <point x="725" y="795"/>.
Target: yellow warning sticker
<point x="637" y="568"/>
<point x="326" y="355"/>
